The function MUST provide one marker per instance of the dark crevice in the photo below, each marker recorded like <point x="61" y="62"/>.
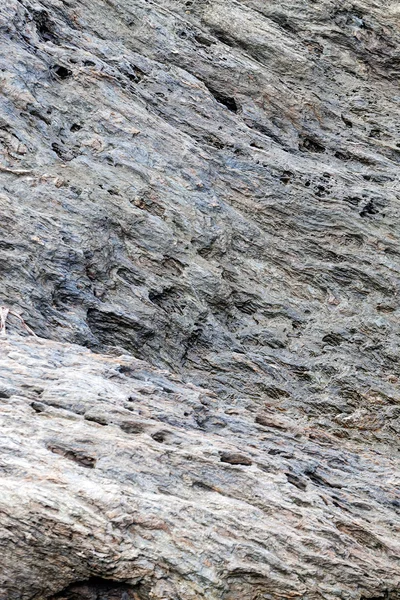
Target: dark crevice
<point x="97" y="588"/>
<point x="134" y="73"/>
<point x="44" y="26"/>
<point x="267" y="131"/>
<point x="78" y="456"/>
<point x="62" y="72"/>
<point x="308" y="144"/>
<point x="296" y="481"/>
<point x="320" y="480"/>
<point x="159" y="436"/>
<point x="227" y="101"/>
<point x="223" y="38"/>
<point x="369" y="209"/>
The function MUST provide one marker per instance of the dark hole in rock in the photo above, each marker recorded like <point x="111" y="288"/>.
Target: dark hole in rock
<point x="125" y="370"/>
<point x="375" y="133"/>
<point x="320" y="191"/>
<point x="134" y="73"/>
<point x="223" y="37"/>
<point x="311" y="145"/>
<point x="227" y="101"/>
<point x="235" y="458"/>
<point x="200" y="39"/>
<point x="320" y="480"/>
<point x="385" y="308"/>
<point x="259" y="146"/>
<point x="75" y="127"/>
<point x="296" y="481"/>
<point x="44" y="26"/>
<point x="369" y="209"/>
<point x="96" y="588"/>
<point x="283" y="21"/>
<point x="38" y="407"/>
<point x="341" y="155"/>
<point x="62" y="72"/>
<point x="333" y="339"/>
<point x="213" y="140"/>
<point x="159" y="436"/>
<point x="89" y="63"/>
<point x="347" y="122"/>
<point x="58" y="149"/>
<point x="83" y="459"/>
<point x="286" y="177"/>
<point x="202" y="486"/>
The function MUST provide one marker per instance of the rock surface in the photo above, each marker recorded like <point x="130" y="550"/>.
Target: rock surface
<point x="200" y="221"/>
<point x="113" y="470"/>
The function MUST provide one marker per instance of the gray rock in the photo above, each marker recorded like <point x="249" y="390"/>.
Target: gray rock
<point x="199" y="207"/>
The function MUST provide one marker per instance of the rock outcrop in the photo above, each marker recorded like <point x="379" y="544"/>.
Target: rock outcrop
<point x="199" y="221"/>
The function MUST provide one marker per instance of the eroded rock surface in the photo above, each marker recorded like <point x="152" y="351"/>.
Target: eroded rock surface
<point x="205" y="193"/>
<point x="112" y="468"/>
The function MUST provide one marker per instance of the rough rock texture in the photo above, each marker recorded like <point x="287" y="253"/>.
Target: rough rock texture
<point x="208" y="188"/>
<point x="114" y="469"/>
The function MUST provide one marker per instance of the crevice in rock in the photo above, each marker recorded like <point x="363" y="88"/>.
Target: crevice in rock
<point x="227" y="101"/>
<point x="78" y="456"/>
<point x="44" y="26"/>
<point x="98" y="588"/>
<point x="62" y="72"/>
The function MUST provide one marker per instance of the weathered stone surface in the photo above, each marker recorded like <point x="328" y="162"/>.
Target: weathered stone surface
<point x="207" y="187"/>
<point x="113" y="469"/>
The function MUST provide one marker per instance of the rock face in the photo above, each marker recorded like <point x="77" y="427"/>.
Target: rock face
<point x="113" y="471"/>
<point x="200" y="222"/>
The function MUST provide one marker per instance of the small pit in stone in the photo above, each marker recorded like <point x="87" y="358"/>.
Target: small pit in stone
<point x="78" y="456"/>
<point x="62" y="72"/>
<point x="159" y="436"/>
